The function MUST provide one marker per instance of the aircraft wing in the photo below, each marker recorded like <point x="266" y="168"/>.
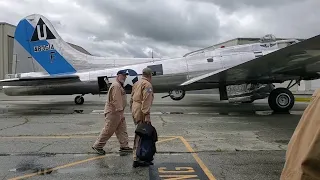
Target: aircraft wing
<point x="33" y="81"/>
<point x="291" y="62"/>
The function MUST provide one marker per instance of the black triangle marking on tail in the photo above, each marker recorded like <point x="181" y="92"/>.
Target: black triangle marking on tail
<point x="44" y="32"/>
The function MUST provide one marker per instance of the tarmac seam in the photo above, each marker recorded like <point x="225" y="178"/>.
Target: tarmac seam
<point x="45" y="146"/>
<point x="25" y="122"/>
<point x="163" y="121"/>
<point x="5" y="176"/>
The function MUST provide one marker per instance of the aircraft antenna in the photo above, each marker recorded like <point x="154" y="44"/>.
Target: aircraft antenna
<point x="152" y="55"/>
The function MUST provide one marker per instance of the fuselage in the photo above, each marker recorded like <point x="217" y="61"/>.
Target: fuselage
<point x="170" y="73"/>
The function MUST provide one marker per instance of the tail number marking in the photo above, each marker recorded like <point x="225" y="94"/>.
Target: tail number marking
<point x="43" y="48"/>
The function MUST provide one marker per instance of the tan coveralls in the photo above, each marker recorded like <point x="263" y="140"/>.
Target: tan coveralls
<point x="140" y="104"/>
<point x="303" y="153"/>
<point x="114" y="113"/>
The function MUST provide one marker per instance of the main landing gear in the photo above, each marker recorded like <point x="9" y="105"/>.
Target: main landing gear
<point x="282" y="99"/>
<point x="79" y="99"/>
<point x="176" y="95"/>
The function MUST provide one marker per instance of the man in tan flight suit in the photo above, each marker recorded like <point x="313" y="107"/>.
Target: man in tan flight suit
<point x="303" y="153"/>
<point x="114" y="116"/>
<point x="140" y="104"/>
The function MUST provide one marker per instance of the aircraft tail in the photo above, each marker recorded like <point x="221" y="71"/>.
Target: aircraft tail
<point x="36" y="36"/>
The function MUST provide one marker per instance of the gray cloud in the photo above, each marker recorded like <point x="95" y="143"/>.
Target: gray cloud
<point x="187" y="24"/>
<point x="234" y="5"/>
<point x="168" y="27"/>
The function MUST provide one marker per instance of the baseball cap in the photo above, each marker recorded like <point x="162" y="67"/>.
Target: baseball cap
<point x="122" y="72"/>
<point x="147" y="71"/>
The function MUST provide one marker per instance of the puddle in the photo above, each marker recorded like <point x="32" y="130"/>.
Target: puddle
<point x="173" y="113"/>
<point x="31" y="154"/>
<point x="86" y="123"/>
<point x="264" y="113"/>
<point x="13" y="170"/>
<point x="282" y="141"/>
<point x="31" y="167"/>
<point x="78" y="111"/>
<point x="223" y="113"/>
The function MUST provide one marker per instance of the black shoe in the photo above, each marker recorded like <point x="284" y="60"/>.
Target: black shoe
<point x="140" y="163"/>
<point x="126" y="149"/>
<point x="99" y="151"/>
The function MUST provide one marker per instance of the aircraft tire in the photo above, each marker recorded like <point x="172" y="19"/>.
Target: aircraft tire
<point x="281" y="100"/>
<point x="79" y="100"/>
<point x="177" y="98"/>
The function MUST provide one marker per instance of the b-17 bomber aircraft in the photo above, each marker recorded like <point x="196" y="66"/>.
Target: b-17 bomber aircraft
<point x="64" y="71"/>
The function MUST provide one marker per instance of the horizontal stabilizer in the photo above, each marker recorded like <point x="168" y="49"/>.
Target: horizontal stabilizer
<point x="44" y="80"/>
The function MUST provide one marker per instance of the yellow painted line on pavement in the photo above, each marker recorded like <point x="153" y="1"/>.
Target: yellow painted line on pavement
<point x="76" y="163"/>
<point x="302" y="99"/>
<point x="169" y="139"/>
<point x="196" y="157"/>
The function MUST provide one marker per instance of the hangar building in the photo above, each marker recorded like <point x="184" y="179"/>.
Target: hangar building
<point x="6" y="48"/>
<point x="7" y="58"/>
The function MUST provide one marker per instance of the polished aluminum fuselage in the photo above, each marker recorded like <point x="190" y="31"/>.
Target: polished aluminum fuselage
<point x="174" y="72"/>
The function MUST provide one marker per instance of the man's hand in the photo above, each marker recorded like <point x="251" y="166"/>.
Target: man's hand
<point x="147" y="120"/>
<point x="122" y="118"/>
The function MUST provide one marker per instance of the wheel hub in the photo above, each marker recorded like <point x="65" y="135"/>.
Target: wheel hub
<point x="176" y="93"/>
<point x="283" y="100"/>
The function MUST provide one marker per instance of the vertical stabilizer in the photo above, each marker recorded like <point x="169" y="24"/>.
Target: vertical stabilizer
<point x="37" y="36"/>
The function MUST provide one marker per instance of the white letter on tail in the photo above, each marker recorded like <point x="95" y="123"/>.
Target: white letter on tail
<point x="44" y="32"/>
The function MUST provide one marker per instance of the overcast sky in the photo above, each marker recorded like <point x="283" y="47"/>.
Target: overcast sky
<point x="170" y="27"/>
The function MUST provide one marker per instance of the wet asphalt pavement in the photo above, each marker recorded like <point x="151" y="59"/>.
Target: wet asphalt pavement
<point x="200" y="137"/>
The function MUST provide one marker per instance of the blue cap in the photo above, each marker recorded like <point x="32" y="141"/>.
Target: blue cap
<point x="122" y="72"/>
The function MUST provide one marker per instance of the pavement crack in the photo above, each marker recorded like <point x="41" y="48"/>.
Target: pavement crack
<point x="5" y="176"/>
<point x="280" y="147"/>
<point x="222" y="174"/>
<point x="26" y="120"/>
<point x="164" y="123"/>
<point x="45" y="146"/>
